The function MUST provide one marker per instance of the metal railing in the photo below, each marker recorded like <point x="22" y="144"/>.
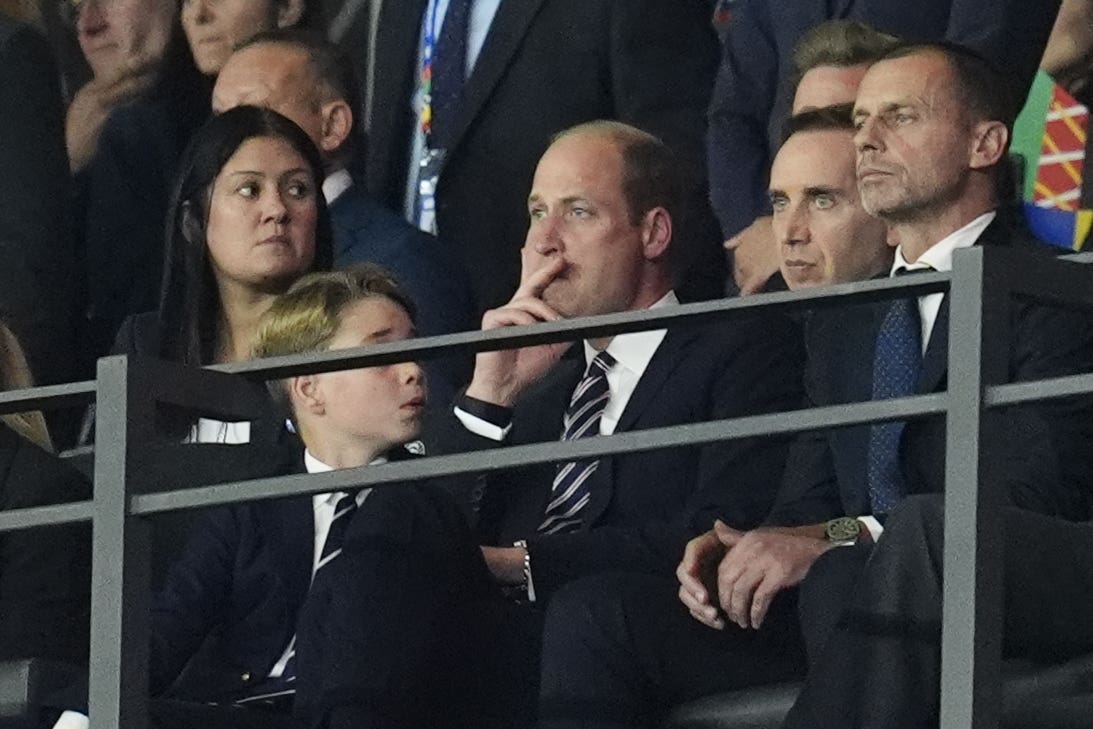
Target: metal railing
<point x="128" y="391"/>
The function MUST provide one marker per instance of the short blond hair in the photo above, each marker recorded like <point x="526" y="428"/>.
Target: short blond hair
<point x="307" y="316"/>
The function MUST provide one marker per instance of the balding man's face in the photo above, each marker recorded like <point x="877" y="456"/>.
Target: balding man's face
<point x="276" y="77"/>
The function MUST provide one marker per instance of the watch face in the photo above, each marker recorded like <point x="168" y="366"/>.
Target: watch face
<point x="843" y="529"/>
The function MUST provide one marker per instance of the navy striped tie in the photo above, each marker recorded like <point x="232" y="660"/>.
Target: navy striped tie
<point x="273" y="690"/>
<point x="570" y="493"/>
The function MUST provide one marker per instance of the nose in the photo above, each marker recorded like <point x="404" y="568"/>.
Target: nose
<point x="544" y="236"/>
<point x="866" y="137"/>
<point x="197" y="11"/>
<point x="411" y="373"/>
<point x="90" y="20"/>
<point x="793" y="225"/>
<point x="275" y="208"/>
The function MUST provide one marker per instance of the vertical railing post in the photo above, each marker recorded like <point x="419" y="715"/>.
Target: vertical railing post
<point x="118" y="680"/>
<point x="972" y="611"/>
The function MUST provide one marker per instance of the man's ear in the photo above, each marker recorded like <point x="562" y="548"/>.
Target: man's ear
<point x="307" y="394"/>
<point x="990" y="141"/>
<point x="289" y="12"/>
<point x="656" y="233"/>
<point x="337" y="124"/>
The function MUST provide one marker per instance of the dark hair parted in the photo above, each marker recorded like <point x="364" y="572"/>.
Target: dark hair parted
<point x="841" y="43"/>
<point x="331" y="67"/>
<point x="189" y="306"/>
<point x="836" y="117"/>
<point x="982" y="90"/>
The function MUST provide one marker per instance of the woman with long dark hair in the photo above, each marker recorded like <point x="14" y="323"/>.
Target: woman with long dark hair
<point x="246" y="219"/>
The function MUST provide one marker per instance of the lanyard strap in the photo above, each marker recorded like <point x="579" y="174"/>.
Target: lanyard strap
<point x="428" y="55"/>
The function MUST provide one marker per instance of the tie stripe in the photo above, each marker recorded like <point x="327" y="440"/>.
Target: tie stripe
<point x="569" y="493"/>
<point x="283" y="685"/>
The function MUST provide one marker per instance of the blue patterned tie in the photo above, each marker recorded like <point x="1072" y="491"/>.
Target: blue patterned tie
<point x="450" y="70"/>
<point x="570" y="493"/>
<point x="273" y="690"/>
<point x="897" y="362"/>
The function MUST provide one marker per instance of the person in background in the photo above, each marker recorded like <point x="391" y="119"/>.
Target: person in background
<point x="128" y="182"/>
<point x="302" y="76"/>
<point x="39" y="293"/>
<point x="828" y="63"/>
<point x="45" y="574"/>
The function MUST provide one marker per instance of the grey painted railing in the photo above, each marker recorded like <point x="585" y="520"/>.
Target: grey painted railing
<point x="128" y="391"/>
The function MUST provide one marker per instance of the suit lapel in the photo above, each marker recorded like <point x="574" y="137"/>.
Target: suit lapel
<point x="290" y="524"/>
<point x="507" y="31"/>
<point x="669" y="354"/>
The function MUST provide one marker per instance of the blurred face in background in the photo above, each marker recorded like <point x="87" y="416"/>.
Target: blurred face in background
<point x="116" y="35"/>
<point x="215" y="27"/>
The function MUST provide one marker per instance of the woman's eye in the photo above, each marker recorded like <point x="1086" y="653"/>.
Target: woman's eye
<point x="298" y="190"/>
<point x="248" y="189"/>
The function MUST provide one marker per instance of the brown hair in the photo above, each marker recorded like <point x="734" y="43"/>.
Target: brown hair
<point x="841" y="43"/>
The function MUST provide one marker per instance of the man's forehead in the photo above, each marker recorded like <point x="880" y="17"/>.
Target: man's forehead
<point x="815" y="157"/>
<point x="573" y="165"/>
<point x="918" y="78"/>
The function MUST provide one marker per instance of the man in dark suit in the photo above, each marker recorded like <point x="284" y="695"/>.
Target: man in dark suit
<point x="884" y="658"/>
<point x="306" y="79"/>
<point x="533" y="68"/>
<point x="932" y="130"/>
<point x="38" y="298"/>
<point x="752" y="94"/>
<point x="600" y="240"/>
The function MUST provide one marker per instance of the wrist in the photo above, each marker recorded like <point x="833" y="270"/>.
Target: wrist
<point x="491" y="392"/>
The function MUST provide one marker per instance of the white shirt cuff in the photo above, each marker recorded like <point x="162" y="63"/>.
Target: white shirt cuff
<point x="874" y="527"/>
<point x="481" y="427"/>
<point x="72" y="720"/>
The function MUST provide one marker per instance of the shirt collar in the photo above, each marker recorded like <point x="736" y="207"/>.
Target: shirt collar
<point x="314" y="465"/>
<point x="633" y="351"/>
<point x="939" y="256"/>
<point x="336" y="183"/>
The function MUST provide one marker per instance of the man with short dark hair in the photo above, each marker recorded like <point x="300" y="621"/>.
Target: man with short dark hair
<point x="823" y="233"/>
<point x="308" y="80"/>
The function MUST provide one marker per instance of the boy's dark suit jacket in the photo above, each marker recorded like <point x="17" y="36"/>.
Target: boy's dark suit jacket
<point x="1039" y="453"/>
<point x="644" y="506"/>
<point x="45" y="574"/>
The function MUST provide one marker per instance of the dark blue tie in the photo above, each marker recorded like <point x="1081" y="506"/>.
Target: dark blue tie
<point x="569" y="493"/>
<point x="897" y="361"/>
<point x="449" y="71"/>
<point x="273" y="691"/>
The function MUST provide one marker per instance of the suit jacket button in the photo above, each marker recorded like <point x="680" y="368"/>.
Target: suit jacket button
<point x="245" y="677"/>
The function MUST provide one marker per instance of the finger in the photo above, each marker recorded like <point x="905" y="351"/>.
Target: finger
<point x="739" y="608"/>
<point x="733" y="243"/>
<point x="752" y="286"/>
<point x="716" y="622"/>
<point x="507" y="317"/>
<point x="728" y="536"/>
<point x="761" y="600"/>
<point x="536" y="307"/>
<point x="697" y="607"/>
<point x="536" y="282"/>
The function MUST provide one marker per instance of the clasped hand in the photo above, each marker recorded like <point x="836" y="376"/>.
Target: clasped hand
<point x="741" y="572"/>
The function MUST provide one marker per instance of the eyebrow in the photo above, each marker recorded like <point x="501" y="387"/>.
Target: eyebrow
<point x="820" y="190"/>
<point x="569" y="200"/>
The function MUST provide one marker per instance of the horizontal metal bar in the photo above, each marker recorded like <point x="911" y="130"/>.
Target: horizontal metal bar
<point x="49" y="397"/>
<point x="568" y="330"/>
<point x="1055" y="387"/>
<point x="509" y="457"/>
<point x="36" y="516"/>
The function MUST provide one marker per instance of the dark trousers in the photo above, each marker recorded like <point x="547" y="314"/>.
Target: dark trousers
<point x="620" y="650"/>
<point x="883" y="659"/>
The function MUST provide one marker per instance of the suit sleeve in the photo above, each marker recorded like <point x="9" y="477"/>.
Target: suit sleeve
<point x="743" y="99"/>
<point x="194" y="596"/>
<point x="37" y="258"/>
<point x="735" y="480"/>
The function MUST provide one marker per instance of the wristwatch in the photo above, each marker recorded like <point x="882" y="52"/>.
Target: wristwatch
<point x="843" y="530"/>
